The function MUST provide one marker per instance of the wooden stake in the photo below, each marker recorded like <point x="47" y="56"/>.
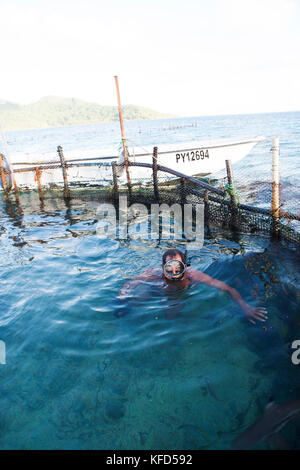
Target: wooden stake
<point x="115" y="179"/>
<point x="206" y="205"/>
<point x="233" y="198"/>
<point x="275" y="178"/>
<point x="275" y="184"/>
<point x="206" y="199"/>
<point x="10" y="165"/>
<point x="2" y="169"/>
<point x="154" y="172"/>
<point x="38" y="174"/>
<point x="125" y="151"/>
<point x="64" y="171"/>
<point x="183" y="190"/>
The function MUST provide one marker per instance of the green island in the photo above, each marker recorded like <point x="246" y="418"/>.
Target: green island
<point x="54" y="111"/>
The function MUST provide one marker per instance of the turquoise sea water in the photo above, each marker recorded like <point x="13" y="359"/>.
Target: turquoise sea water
<point x="183" y="369"/>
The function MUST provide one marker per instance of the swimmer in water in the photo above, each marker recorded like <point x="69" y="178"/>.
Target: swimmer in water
<point x="176" y="274"/>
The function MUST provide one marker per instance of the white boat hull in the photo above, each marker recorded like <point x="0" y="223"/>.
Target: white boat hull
<point x="194" y="158"/>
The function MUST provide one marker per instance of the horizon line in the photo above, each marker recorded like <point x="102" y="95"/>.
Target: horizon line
<point x="179" y="116"/>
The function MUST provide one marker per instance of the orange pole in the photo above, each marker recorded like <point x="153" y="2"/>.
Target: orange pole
<point x="120" y="114"/>
<point x="122" y="132"/>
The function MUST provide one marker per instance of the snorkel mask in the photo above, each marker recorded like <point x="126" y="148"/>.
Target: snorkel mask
<point x="174" y="269"/>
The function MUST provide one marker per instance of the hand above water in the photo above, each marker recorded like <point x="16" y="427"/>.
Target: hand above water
<point x="255" y="313"/>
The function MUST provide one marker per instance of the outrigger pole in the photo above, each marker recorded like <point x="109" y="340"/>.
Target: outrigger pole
<point x="125" y="151"/>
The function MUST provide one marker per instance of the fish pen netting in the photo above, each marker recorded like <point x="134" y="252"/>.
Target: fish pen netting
<point x="250" y="214"/>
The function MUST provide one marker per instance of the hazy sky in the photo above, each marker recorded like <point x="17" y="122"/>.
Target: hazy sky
<point x="187" y="57"/>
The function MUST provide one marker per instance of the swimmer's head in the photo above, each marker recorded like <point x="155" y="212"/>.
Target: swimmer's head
<point x="174" y="264"/>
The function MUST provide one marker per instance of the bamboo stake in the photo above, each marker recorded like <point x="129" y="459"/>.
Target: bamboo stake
<point x="182" y="191"/>
<point x="154" y="171"/>
<point x="2" y="174"/>
<point x="206" y="204"/>
<point x="275" y="177"/>
<point x="125" y="151"/>
<point x="9" y="164"/>
<point x="64" y="170"/>
<point x="38" y="174"/>
<point x="233" y="198"/>
<point x="115" y="180"/>
<point x="275" y="183"/>
<point x="206" y="199"/>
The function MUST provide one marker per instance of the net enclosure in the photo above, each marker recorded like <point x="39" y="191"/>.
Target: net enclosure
<point x="228" y="200"/>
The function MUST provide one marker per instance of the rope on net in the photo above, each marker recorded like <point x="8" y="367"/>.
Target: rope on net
<point x="231" y="191"/>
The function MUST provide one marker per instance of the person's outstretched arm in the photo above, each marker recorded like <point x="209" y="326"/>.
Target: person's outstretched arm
<point x="125" y="292"/>
<point x="252" y="313"/>
<point x="146" y="275"/>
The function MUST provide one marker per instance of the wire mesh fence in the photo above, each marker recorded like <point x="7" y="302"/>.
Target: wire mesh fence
<point x="259" y="192"/>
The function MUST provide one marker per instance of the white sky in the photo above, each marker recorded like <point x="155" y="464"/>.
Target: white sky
<point x="186" y="57"/>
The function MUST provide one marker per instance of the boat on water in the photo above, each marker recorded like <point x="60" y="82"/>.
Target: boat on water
<point x="194" y="158"/>
<point x="199" y="158"/>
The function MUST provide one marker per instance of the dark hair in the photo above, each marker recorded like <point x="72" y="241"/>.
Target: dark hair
<point x="172" y="253"/>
